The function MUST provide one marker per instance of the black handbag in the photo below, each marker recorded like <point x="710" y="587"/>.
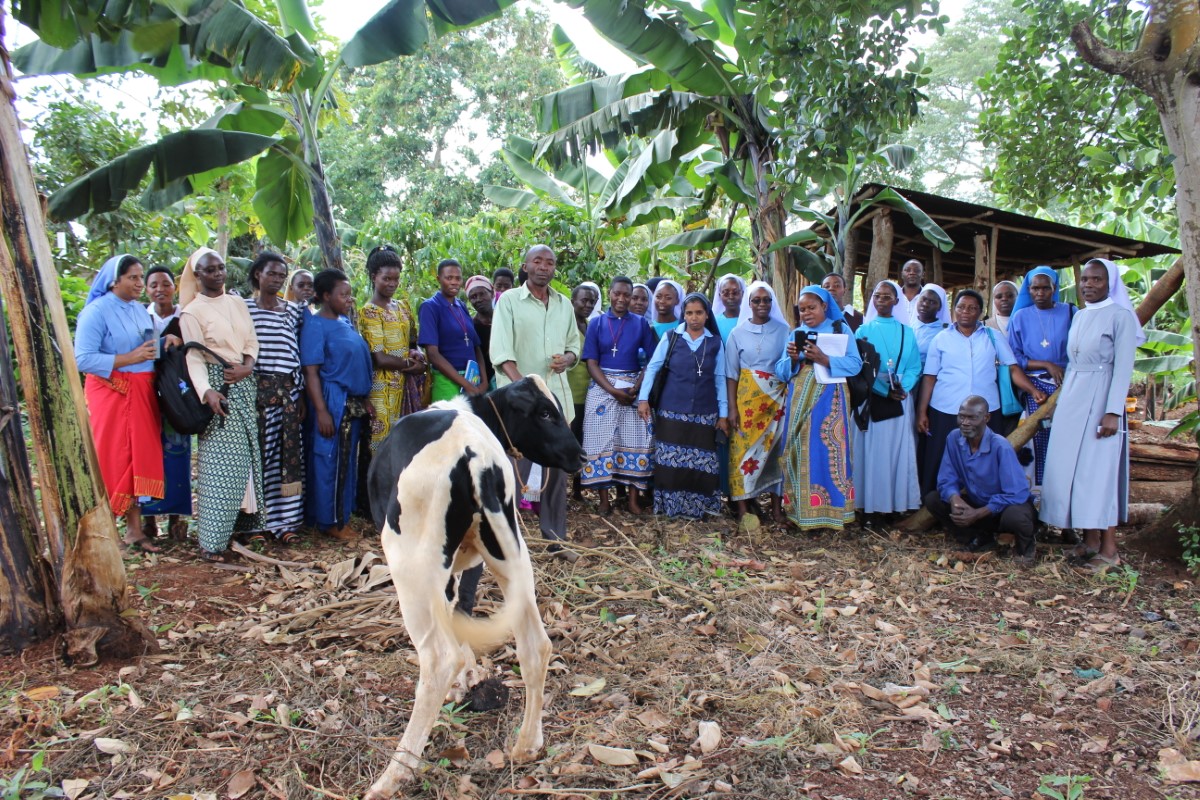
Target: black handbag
<point x="660" y="380"/>
<point x="884" y="408"/>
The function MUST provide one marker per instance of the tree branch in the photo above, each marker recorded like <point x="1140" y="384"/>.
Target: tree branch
<point x="1135" y="67"/>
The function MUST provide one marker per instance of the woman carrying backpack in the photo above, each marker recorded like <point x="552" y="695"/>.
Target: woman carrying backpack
<point x="114" y="347"/>
<point x="817" y="485"/>
<point x="230" y="491"/>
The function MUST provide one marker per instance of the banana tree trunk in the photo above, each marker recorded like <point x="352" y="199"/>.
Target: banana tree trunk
<point x="81" y="534"/>
<point x="327" y="237"/>
<point x="27" y="608"/>
<point x="770" y="224"/>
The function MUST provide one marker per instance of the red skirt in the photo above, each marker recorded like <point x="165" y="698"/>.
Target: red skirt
<point x="128" y="433"/>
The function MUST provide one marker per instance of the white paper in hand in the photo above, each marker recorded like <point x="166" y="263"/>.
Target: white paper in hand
<point x="833" y="345"/>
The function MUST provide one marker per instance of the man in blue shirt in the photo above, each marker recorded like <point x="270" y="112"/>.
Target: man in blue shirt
<point x="981" y="487"/>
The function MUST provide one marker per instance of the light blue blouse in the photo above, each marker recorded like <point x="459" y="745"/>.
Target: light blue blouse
<point x="752" y="346"/>
<point x="839" y="366"/>
<point x="660" y="356"/>
<point x="885" y="334"/>
<point x="966" y="365"/>
<point x="108" y="327"/>
<point x="925" y="333"/>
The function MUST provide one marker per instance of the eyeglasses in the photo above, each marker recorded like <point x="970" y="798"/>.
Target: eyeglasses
<point x="760" y="301"/>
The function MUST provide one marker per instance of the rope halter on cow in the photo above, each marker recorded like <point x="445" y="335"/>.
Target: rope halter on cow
<point x="512" y="448"/>
<point x="516" y="454"/>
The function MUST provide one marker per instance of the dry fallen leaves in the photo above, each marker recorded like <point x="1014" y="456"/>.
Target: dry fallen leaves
<point x="709" y="737"/>
<point x="1176" y="768"/>
<point x="239" y="784"/>
<point x="613" y="756"/>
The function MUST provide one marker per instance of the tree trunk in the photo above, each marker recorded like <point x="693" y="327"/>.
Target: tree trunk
<point x="768" y="223"/>
<point x="80" y="529"/>
<point x="1166" y="66"/>
<point x="849" y="266"/>
<point x="327" y="236"/>
<point x="879" y="265"/>
<point x="982" y="270"/>
<point x="26" y="601"/>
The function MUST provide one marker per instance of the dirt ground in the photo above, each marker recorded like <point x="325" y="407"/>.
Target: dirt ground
<point x="690" y="660"/>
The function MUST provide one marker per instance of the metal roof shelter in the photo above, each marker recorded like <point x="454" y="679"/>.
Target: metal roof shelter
<point x="990" y="244"/>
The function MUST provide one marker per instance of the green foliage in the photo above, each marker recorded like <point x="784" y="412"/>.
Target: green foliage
<point x="848" y="81"/>
<point x="1063" y="787"/>
<point x="950" y="159"/>
<point x="414" y="129"/>
<point x="1047" y="113"/>
<point x="1189" y="539"/>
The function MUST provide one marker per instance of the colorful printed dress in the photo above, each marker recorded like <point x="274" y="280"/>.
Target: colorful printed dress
<point x="818" y="485"/>
<point x="756" y="447"/>
<point x="391" y="331"/>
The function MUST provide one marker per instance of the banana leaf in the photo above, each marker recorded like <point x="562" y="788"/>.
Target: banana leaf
<point x="174" y="157"/>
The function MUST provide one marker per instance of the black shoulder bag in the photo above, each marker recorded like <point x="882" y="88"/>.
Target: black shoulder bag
<point x="884" y="408"/>
<point x="660" y="380"/>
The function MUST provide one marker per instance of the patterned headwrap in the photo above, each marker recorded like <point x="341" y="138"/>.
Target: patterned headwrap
<point x="477" y="280"/>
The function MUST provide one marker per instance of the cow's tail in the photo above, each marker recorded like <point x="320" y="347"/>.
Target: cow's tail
<point x="481" y="633"/>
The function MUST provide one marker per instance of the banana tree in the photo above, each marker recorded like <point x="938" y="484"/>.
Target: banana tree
<point x="716" y="72"/>
<point x="280" y="81"/>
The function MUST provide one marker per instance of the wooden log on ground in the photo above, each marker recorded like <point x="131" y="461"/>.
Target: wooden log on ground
<point x="1166" y="492"/>
<point x="1160" y="471"/>
<point x="1177" y="452"/>
<point x="923" y="520"/>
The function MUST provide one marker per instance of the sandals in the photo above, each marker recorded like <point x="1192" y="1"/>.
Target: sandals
<point x="288" y="538"/>
<point x="1080" y="554"/>
<point x="256" y="541"/>
<point x="144" y="544"/>
<point x="1098" y="564"/>
<point x="215" y="558"/>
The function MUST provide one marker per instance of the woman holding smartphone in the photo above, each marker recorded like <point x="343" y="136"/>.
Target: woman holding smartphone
<point x="818" y="488"/>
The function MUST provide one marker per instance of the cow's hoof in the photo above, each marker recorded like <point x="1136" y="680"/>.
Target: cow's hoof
<point x="523" y="755"/>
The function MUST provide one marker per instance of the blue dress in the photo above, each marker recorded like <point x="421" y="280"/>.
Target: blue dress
<point x="331" y="463"/>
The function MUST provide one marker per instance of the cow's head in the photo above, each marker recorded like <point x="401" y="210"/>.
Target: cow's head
<point x="535" y="424"/>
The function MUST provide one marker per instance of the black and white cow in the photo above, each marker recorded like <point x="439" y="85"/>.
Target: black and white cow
<point x="443" y="495"/>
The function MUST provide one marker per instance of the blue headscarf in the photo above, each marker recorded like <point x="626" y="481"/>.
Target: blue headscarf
<point x="1024" y="298"/>
<point x="104" y="279"/>
<point x="832" y="312"/>
<point x="710" y="324"/>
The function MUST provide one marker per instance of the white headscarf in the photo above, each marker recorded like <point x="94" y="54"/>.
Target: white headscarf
<point x="776" y="311"/>
<point x="718" y="305"/>
<point x="870" y="313"/>
<point x="1119" y="294"/>
<point x="905" y="310"/>
<point x="599" y="308"/>
<point x="943" y="315"/>
<point x="653" y="311"/>
<point x="1001" y="320"/>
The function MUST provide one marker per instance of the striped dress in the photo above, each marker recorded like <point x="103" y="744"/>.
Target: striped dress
<point x="278" y="372"/>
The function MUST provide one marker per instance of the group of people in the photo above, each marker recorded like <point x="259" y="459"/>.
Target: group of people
<point x="689" y="400"/>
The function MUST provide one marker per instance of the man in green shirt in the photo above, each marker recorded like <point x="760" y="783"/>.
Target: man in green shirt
<point x="534" y="333"/>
